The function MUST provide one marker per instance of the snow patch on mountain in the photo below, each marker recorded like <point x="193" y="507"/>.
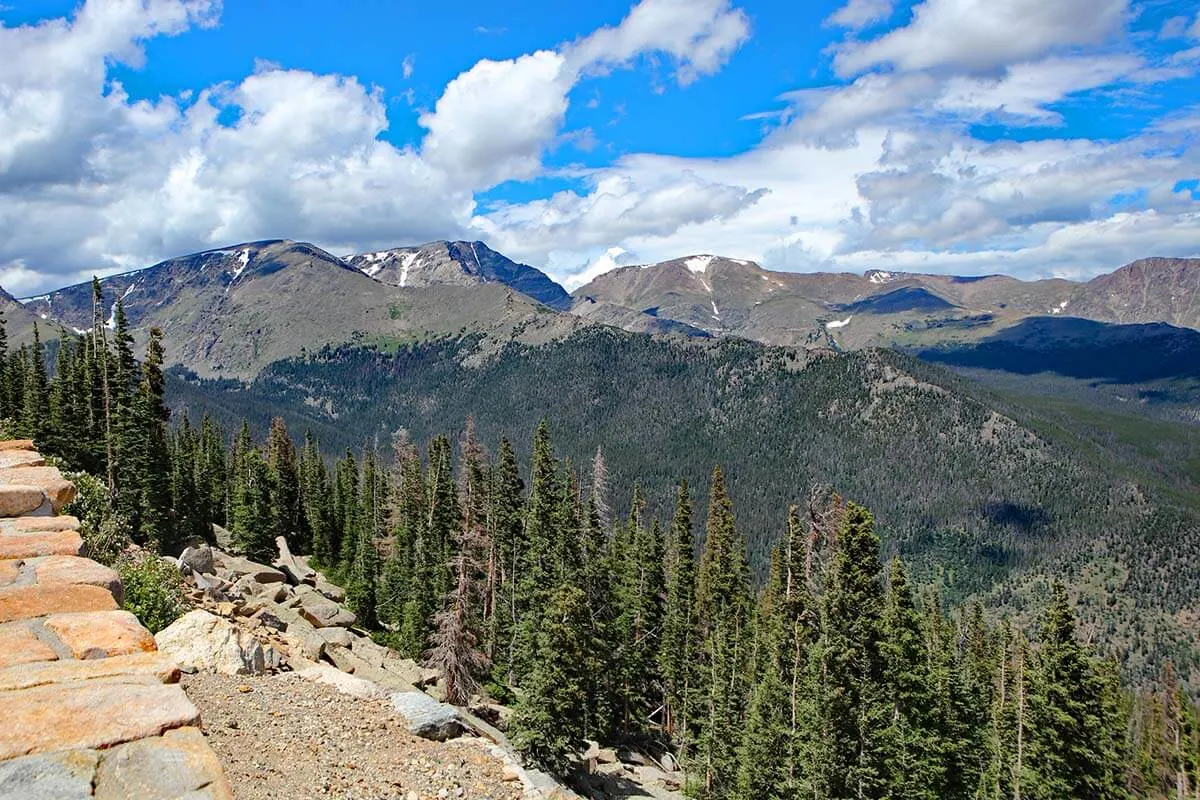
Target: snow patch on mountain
<point x="1061" y="307"/>
<point x="698" y="263"/>
<point x="879" y="276"/>
<point x="839" y="323"/>
<point x="406" y="261"/>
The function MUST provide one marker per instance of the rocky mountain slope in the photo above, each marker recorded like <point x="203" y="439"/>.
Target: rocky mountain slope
<point x="459" y="264"/>
<point x="18" y="319"/>
<point x="729" y="296"/>
<point x="229" y="312"/>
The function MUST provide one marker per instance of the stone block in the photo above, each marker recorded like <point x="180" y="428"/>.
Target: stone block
<point x="427" y="717"/>
<point x="20" y="645"/>
<point x="162" y="768"/>
<point x="89" y="715"/>
<point x="21" y="458"/>
<point x="340" y="681"/>
<point x="16" y="444"/>
<point x="39" y="543"/>
<point x="322" y="613"/>
<point x="29" y="524"/>
<point x="234" y="567"/>
<point x="73" y="569"/>
<point x="16" y="500"/>
<point x="26" y="602"/>
<point x="60" y="490"/>
<point x="136" y="667"/>
<point x="201" y="641"/>
<point x="9" y="570"/>
<point x="66" y="775"/>
<point x="101" y="634"/>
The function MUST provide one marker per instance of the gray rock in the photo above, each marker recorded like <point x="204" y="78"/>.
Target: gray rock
<point x="427" y="717"/>
<point x="235" y="567"/>
<point x="322" y="613"/>
<point x="222" y="537"/>
<point x="65" y="775"/>
<point x="336" y="636"/>
<point x="335" y="593"/>
<point x="296" y="572"/>
<point x="198" y="559"/>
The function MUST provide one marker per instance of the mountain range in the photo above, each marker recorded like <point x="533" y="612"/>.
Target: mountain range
<point x="231" y="311"/>
<point x="989" y="486"/>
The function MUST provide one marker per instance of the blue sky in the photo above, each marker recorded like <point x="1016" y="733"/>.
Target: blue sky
<point x="962" y="136"/>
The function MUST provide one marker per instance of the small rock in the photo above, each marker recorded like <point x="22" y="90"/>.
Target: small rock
<point x="198" y="559"/>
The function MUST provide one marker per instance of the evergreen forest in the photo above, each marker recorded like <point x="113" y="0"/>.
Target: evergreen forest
<point x="812" y="666"/>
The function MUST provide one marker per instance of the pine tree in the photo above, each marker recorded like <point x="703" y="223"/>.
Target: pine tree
<point x="722" y="606"/>
<point x="548" y="727"/>
<point x="764" y="756"/>
<point x="35" y="401"/>
<point x="286" y="514"/>
<point x="854" y="713"/>
<point x="911" y="757"/>
<point x="508" y="534"/>
<point x="148" y="456"/>
<point x="316" y="500"/>
<point x="251" y="507"/>
<point x="1077" y="732"/>
<point x="362" y="572"/>
<point x="537" y="570"/>
<point x="677" y="646"/>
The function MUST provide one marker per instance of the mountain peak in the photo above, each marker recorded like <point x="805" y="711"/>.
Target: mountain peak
<point x="446" y="262"/>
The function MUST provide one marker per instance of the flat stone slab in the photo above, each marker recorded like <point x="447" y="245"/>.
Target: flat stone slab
<point x="16" y="500"/>
<point x="322" y="613"/>
<point x="163" y="768"/>
<point x="16" y="444"/>
<point x="32" y="544"/>
<point x="9" y="570"/>
<point x="73" y="569"/>
<point x="21" y="458"/>
<point x="427" y="717"/>
<point x="26" y="602"/>
<point x="101" y="634"/>
<point x="60" y="490"/>
<point x="20" y="645"/>
<point x="28" y="524"/>
<point x="94" y="715"/>
<point x="53" y="776"/>
<point x="238" y="567"/>
<point x="136" y="667"/>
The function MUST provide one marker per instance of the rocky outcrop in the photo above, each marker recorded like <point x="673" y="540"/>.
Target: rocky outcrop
<point x="90" y="707"/>
<point x="199" y="640"/>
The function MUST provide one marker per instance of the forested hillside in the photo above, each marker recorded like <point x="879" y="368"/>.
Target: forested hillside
<point x="969" y="497"/>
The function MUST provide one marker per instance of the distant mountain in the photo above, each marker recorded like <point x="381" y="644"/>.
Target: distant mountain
<point x="19" y="321"/>
<point x="725" y="296"/>
<point x="231" y="311"/>
<point x="459" y="264"/>
<point x="1148" y="290"/>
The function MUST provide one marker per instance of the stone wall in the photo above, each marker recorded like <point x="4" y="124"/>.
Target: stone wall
<point x="88" y="707"/>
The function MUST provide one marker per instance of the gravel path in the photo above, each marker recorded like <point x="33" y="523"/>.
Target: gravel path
<point x="282" y="736"/>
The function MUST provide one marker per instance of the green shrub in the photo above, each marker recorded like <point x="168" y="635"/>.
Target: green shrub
<point x="105" y="534"/>
<point x="153" y="589"/>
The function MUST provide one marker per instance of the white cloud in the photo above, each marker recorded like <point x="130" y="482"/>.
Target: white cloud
<point x="983" y="35"/>
<point x="699" y="34"/>
<point x="406" y="66"/>
<point x="858" y="14"/>
<point x="611" y="259"/>
<point x="494" y="121"/>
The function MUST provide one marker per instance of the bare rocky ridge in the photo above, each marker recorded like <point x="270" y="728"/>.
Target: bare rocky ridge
<point x="723" y="296"/>
<point x="459" y="264"/>
<point x="229" y="312"/>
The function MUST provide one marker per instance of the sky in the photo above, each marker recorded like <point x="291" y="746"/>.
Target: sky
<point x="1030" y="137"/>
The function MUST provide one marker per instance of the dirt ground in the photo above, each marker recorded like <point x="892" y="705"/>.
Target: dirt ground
<point x="281" y="736"/>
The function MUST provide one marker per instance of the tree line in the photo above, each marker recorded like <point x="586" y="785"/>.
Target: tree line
<point x="836" y="679"/>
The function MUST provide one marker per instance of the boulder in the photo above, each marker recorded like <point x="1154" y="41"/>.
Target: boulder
<point x="342" y="682"/>
<point x="322" y="613"/>
<point x="198" y="640"/>
<point x="335" y="593"/>
<point x="427" y="717"/>
<point x="234" y="567"/>
<point x="198" y="559"/>
<point x="336" y="636"/>
<point x="296" y="572"/>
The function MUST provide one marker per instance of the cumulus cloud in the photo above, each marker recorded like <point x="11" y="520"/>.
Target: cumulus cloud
<point x="92" y="180"/>
<point x="858" y="14"/>
<point x="981" y="35"/>
<point x="493" y="122"/>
